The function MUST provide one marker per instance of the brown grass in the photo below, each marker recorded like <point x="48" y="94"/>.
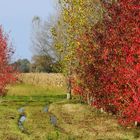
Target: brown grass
<point x="87" y="123"/>
<point x="43" y="79"/>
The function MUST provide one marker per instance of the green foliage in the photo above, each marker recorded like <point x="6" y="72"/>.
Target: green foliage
<point x="22" y="65"/>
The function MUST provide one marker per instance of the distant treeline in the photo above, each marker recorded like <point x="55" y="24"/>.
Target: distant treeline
<point x="39" y="63"/>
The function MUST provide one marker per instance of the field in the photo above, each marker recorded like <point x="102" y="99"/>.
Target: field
<point x="36" y="112"/>
<point x="43" y="79"/>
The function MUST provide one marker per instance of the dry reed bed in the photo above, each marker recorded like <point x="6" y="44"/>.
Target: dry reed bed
<point x="43" y="79"/>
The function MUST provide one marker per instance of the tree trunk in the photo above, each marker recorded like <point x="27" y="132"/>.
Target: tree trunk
<point x="69" y="87"/>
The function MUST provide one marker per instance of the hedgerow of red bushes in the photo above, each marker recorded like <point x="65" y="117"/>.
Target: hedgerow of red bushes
<point x="108" y="62"/>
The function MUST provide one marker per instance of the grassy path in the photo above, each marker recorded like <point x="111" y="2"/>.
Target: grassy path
<point x="74" y="121"/>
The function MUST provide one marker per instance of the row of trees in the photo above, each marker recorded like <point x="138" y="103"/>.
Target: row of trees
<point x="99" y="45"/>
<point x="39" y="63"/>
<point x="96" y="44"/>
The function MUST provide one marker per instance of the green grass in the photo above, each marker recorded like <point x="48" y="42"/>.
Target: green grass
<point x="38" y="124"/>
<point x="75" y="121"/>
<point x="8" y="120"/>
<point x="32" y="90"/>
<point x="31" y="93"/>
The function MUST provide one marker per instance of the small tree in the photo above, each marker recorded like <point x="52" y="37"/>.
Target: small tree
<point x="7" y="74"/>
<point x="76" y="18"/>
<point x="42" y="63"/>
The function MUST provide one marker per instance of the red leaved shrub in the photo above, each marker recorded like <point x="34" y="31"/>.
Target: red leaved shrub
<point x="7" y="74"/>
<point x="108" y="74"/>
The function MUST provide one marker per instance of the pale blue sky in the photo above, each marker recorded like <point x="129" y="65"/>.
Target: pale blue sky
<point x="16" y="18"/>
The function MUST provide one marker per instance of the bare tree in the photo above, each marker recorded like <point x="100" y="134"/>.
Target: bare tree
<point x="42" y="39"/>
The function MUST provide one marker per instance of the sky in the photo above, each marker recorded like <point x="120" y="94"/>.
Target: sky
<point x="16" y="19"/>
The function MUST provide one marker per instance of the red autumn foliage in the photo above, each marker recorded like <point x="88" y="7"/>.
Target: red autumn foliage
<point x="109" y="67"/>
<point x="7" y="74"/>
